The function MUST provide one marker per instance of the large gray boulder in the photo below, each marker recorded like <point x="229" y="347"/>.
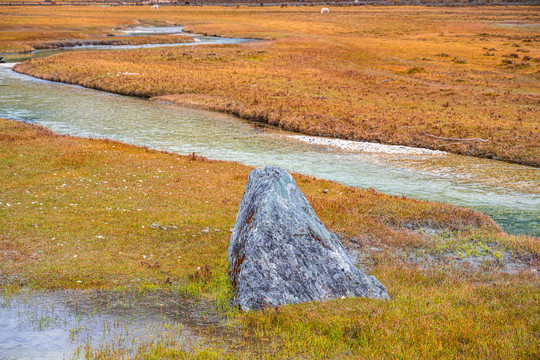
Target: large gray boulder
<point x="280" y="252"/>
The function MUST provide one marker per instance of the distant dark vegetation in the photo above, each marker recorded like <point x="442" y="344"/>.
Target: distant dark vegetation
<point x="279" y="3"/>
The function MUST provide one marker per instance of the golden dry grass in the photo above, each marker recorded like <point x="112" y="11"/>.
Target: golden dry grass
<point x="78" y="213"/>
<point x="99" y="200"/>
<point x="132" y="40"/>
<point x="460" y="73"/>
<point x="77" y="207"/>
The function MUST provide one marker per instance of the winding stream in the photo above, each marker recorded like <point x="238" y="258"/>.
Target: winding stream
<point x="73" y="324"/>
<point x="509" y="193"/>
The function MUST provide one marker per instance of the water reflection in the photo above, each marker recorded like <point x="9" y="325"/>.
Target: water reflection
<point x="64" y="324"/>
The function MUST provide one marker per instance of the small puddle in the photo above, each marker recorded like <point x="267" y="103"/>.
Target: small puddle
<point x="525" y="26"/>
<point x="153" y="30"/>
<point x="75" y="324"/>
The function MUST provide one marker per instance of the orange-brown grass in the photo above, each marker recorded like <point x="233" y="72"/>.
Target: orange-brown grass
<point x="131" y="40"/>
<point x="325" y="75"/>
<point x="81" y="213"/>
<point x="432" y="315"/>
<point x="99" y="199"/>
<point x="23" y="29"/>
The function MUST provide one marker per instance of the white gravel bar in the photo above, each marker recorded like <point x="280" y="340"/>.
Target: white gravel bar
<point x="361" y="146"/>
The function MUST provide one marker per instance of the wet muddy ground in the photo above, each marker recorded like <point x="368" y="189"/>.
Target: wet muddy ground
<point x="75" y="324"/>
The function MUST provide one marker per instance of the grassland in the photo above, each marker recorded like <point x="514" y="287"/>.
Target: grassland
<point x="463" y="80"/>
<point x="92" y="214"/>
<point x="86" y="214"/>
<point x="132" y="40"/>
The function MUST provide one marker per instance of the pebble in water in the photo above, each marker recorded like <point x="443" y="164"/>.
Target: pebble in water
<point x="365" y="146"/>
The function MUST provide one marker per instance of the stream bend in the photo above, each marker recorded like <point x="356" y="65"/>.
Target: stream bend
<point x="508" y="193"/>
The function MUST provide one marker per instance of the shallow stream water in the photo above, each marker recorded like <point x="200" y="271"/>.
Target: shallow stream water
<point x="508" y="193"/>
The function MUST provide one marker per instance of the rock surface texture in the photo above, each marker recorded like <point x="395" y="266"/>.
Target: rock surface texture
<point x="280" y="252"/>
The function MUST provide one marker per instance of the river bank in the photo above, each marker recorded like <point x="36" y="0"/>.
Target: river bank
<point x="86" y="214"/>
<point x="508" y="193"/>
<point x="114" y="41"/>
<point x="447" y="96"/>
